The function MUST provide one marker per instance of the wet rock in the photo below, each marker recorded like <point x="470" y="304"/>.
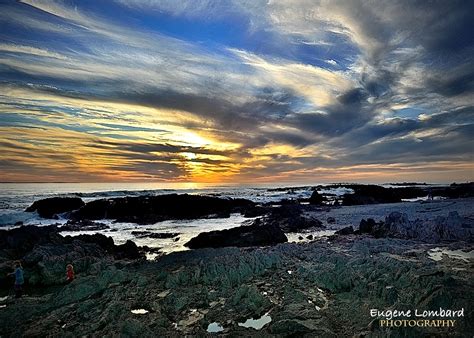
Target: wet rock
<point x="366" y="226"/>
<point x="331" y="220"/>
<point x="50" y="207"/>
<point x="127" y="250"/>
<point x="19" y="223"/>
<point x="289" y="218"/>
<point x="256" y="211"/>
<point x="455" y="190"/>
<point x="370" y="194"/>
<point x="148" y="234"/>
<point x="83" y="225"/>
<point x="316" y="198"/>
<point x="152" y="209"/>
<point x="310" y="237"/>
<point x="345" y="231"/>
<point x="243" y="236"/>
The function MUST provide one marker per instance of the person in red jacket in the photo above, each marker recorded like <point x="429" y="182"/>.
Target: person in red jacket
<point x="69" y="273"/>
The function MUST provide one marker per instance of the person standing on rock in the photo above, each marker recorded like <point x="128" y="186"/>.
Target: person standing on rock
<point x="19" y="280"/>
<point x="69" y="273"/>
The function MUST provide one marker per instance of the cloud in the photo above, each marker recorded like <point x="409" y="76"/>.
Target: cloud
<point x="336" y="87"/>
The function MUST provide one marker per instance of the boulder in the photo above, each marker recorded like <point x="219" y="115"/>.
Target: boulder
<point x="45" y="253"/>
<point x="316" y="198"/>
<point x="243" y="236"/>
<point x="17" y="242"/>
<point x="370" y="194"/>
<point x="50" y="207"/>
<point x="345" y="231"/>
<point x="289" y="218"/>
<point x="366" y="226"/>
<point x="148" y="234"/>
<point x="397" y="225"/>
<point x="152" y="209"/>
<point x="83" y="225"/>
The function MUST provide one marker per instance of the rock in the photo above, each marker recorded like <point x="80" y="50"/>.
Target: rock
<point x="345" y="231"/>
<point x="256" y="211"/>
<point x="370" y="194"/>
<point x="243" y="236"/>
<point x="300" y="238"/>
<point x="148" y="234"/>
<point x="462" y="190"/>
<point x="366" y="226"/>
<point x="152" y="209"/>
<point x="316" y="198"/>
<point x="21" y="240"/>
<point x="397" y="225"/>
<point x="50" y="207"/>
<point x="310" y="237"/>
<point x="128" y="250"/>
<point x="45" y="253"/>
<point x="289" y="218"/>
<point x="19" y="223"/>
<point x="83" y="225"/>
<point x="331" y="220"/>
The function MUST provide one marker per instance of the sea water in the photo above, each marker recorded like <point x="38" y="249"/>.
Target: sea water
<point x="16" y="197"/>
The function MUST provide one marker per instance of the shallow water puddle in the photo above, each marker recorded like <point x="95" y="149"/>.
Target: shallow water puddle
<point x="214" y="327"/>
<point x="139" y="311"/>
<point x="436" y="254"/>
<point x="257" y="324"/>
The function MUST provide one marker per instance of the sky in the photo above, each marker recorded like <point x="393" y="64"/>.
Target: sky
<point x="236" y="91"/>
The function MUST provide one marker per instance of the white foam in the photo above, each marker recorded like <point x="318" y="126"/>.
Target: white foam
<point x="139" y="311"/>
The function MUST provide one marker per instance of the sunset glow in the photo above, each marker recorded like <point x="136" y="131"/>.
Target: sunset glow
<point x="235" y="91"/>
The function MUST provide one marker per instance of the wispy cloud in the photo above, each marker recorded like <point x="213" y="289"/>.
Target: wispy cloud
<point x="293" y="91"/>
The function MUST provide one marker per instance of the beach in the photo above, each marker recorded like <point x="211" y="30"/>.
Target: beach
<point x="296" y="263"/>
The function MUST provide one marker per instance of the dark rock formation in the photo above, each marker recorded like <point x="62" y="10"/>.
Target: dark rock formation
<point x="45" y="253"/>
<point x="50" y="207"/>
<point x="327" y="294"/>
<point x="243" y="236"/>
<point x="83" y="225"/>
<point x="331" y="220"/>
<point x="152" y="209"/>
<point x="289" y="218"/>
<point x="256" y="211"/>
<point x="370" y="194"/>
<point x="316" y="198"/>
<point x="345" y="231"/>
<point x="366" y="226"/>
<point x="397" y="225"/>
<point x="17" y="242"/>
<point x="148" y="234"/>
<point x="455" y="190"/>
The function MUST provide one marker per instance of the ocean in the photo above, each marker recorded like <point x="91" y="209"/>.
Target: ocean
<point x="16" y="197"/>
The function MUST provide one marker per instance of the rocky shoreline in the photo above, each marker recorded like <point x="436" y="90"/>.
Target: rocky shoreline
<point x="249" y="281"/>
